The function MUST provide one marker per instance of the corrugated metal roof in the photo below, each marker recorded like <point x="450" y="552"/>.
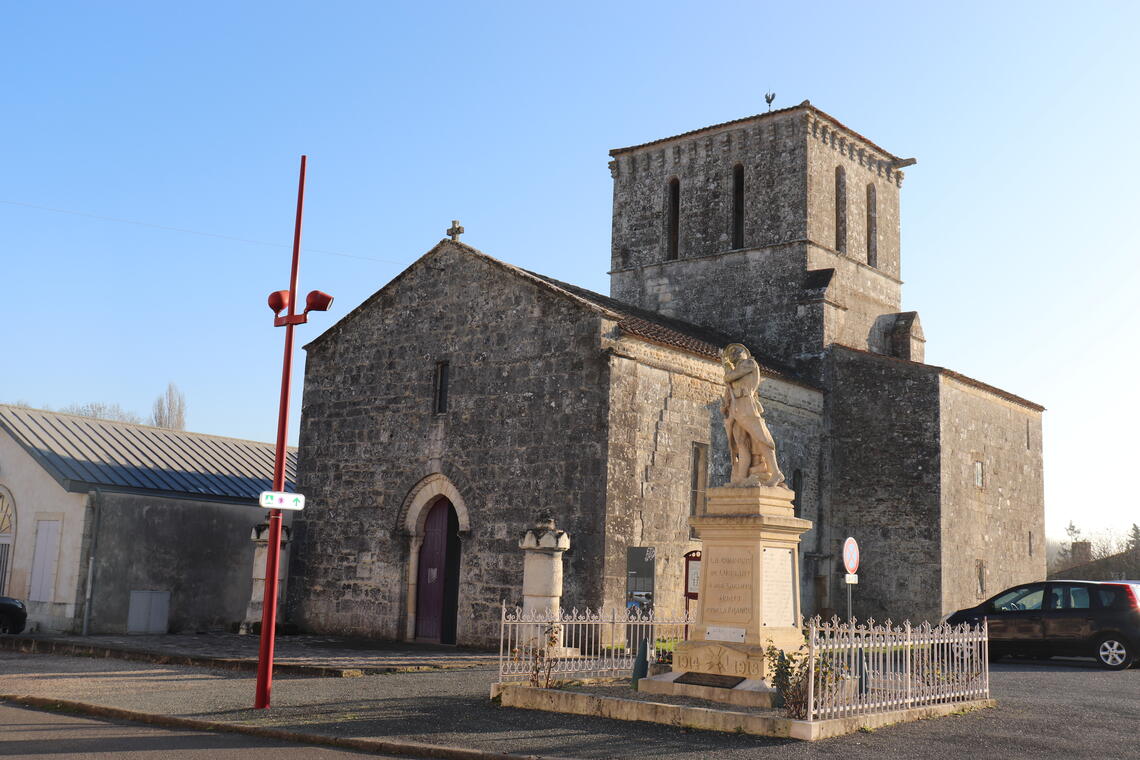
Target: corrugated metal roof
<point x="84" y="452"/>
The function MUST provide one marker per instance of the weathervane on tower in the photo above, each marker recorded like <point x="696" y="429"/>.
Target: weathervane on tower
<point x="768" y="98"/>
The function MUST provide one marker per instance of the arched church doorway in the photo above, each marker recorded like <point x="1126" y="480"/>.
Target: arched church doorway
<point x="7" y="537"/>
<point x="437" y="575"/>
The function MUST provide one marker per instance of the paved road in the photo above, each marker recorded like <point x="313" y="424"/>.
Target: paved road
<point x="1050" y="711"/>
<point x="38" y="735"/>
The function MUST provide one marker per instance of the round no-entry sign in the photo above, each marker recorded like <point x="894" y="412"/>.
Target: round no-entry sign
<point x="851" y="555"/>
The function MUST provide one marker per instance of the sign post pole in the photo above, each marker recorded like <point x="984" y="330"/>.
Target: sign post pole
<point x="282" y="300"/>
<point x="851" y="562"/>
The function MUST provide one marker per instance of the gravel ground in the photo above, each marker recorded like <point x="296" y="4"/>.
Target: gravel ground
<point x="1045" y="710"/>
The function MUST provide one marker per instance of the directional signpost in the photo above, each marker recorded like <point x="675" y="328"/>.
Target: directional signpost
<point x="278" y="499"/>
<point x="282" y="500"/>
<point x="851" y="562"/>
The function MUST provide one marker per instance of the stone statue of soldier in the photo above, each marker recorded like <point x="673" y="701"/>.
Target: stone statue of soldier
<point x="752" y="449"/>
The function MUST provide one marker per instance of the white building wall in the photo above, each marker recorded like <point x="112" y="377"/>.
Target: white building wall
<point x="39" y="497"/>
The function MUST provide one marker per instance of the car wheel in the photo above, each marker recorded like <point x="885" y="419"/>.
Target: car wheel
<point x="1114" y="653"/>
<point x="7" y="625"/>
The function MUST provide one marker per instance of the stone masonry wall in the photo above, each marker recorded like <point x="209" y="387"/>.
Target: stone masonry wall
<point x="865" y="292"/>
<point x="771" y="150"/>
<point x="200" y="552"/>
<point x="1002" y="522"/>
<point x="525" y="431"/>
<point x="661" y="402"/>
<point x="749" y="293"/>
<point x="884" y="463"/>
<point x="757" y="293"/>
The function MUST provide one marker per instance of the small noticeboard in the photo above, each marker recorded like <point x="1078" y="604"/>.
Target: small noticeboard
<point x="281" y="500"/>
<point x="851" y="555"/>
<point x="692" y="574"/>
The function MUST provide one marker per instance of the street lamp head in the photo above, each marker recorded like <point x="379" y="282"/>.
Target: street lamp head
<point x="317" y="301"/>
<point x="279" y="301"/>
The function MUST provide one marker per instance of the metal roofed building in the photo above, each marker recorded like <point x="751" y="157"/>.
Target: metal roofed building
<point x="111" y="527"/>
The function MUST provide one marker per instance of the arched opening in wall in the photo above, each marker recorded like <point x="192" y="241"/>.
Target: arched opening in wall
<point x="840" y="209"/>
<point x="738" y="206"/>
<point x="437" y="575"/>
<point x="7" y="537"/>
<point x="672" y="219"/>
<point x="872" y="228"/>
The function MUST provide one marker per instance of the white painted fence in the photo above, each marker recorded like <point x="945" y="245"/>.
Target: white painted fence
<point x="855" y="669"/>
<point x="540" y="646"/>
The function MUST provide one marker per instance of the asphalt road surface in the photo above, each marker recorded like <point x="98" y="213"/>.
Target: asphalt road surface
<point x="38" y="735"/>
<point x="1046" y="711"/>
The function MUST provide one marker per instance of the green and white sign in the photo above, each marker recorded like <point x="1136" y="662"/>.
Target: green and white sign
<point x="282" y="500"/>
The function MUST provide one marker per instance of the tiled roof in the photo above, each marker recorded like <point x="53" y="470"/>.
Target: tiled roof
<point x="82" y="453"/>
<point x="965" y="380"/>
<point x="645" y="324"/>
<point x="806" y="105"/>
<point x="667" y="331"/>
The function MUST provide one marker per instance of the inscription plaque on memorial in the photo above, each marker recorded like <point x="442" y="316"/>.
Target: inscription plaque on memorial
<point x="709" y="679"/>
<point x="778" y="599"/>
<point x="721" y="633"/>
<point x="729" y="585"/>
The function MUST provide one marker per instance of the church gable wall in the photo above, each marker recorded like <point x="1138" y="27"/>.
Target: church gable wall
<point x="661" y="403"/>
<point x="993" y="495"/>
<point x="884" y="431"/>
<point x="524" y="432"/>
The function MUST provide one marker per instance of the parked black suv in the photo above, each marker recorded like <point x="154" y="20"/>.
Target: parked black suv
<point x="13" y="615"/>
<point x="1098" y="619"/>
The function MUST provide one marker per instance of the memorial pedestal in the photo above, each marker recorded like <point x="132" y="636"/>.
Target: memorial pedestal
<point x="749" y="597"/>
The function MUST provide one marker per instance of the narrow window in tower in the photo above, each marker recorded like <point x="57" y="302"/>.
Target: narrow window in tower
<point x="797" y="496"/>
<point x="673" y="218"/>
<point x="872" y="228"/>
<point x="840" y="210"/>
<point x="439" y="389"/>
<point x="738" y="206"/>
<point x="699" y="479"/>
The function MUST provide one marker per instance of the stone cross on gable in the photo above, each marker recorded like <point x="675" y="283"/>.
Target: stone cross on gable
<point x="455" y="230"/>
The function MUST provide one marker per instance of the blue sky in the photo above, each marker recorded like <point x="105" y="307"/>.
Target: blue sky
<point x="1018" y="247"/>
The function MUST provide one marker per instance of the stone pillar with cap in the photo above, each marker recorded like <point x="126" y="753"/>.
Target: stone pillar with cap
<point x="542" y="547"/>
<point x="260" y="537"/>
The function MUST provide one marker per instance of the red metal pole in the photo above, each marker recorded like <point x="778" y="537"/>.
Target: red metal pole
<point x="273" y="550"/>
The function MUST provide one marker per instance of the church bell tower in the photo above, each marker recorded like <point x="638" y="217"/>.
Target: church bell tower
<point x="780" y="230"/>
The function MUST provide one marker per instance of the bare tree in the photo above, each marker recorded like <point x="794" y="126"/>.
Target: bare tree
<point x="170" y="409"/>
<point x="102" y="411"/>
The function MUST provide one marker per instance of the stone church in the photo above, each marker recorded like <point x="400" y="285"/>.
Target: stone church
<point x="467" y="396"/>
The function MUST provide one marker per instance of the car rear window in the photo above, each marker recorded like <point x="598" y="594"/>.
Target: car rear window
<point x="1116" y="597"/>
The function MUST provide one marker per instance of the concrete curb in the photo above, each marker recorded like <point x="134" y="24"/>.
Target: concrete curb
<point x="406" y="749"/>
<point x="49" y="646"/>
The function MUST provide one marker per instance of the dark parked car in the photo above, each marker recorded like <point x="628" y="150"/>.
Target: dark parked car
<point x="13" y="615"/>
<point x="1098" y="619"/>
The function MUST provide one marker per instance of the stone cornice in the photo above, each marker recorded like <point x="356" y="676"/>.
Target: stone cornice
<point x="854" y="146"/>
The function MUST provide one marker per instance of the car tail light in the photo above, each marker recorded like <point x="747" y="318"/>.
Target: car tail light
<point x="1135" y="589"/>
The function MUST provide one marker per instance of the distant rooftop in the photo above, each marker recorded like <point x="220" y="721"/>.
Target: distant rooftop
<point x="83" y="453"/>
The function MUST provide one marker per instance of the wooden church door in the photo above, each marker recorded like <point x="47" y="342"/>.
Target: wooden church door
<point x="437" y="581"/>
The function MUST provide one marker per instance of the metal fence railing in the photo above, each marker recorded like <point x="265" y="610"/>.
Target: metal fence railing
<point x="544" y="646"/>
<point x="855" y="669"/>
<point x="843" y="668"/>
